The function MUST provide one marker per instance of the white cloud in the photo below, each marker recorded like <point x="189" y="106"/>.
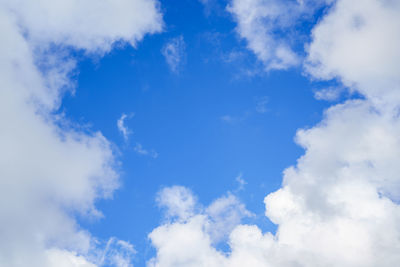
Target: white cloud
<point x="267" y="27"/>
<point x="117" y="253"/>
<point x="235" y="119"/>
<point x="67" y="23"/>
<point x="261" y="106"/>
<point x="329" y="94"/>
<point x="64" y="258"/>
<point x="186" y="239"/>
<point x="50" y="171"/>
<point x="358" y="43"/>
<point x="140" y="150"/>
<point x="125" y="131"/>
<point x="229" y="119"/>
<point x="335" y="208"/>
<point x="339" y="205"/>
<point x="178" y="201"/>
<point x="174" y="53"/>
<point x="241" y="182"/>
<point x="257" y="20"/>
<point x="224" y="214"/>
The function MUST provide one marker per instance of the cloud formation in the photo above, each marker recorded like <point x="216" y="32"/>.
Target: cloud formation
<point x="330" y="93"/>
<point x="174" y="53"/>
<point x="261" y="106"/>
<point x="51" y="171"/>
<point x="125" y="131"/>
<point x="142" y="151"/>
<point x="67" y="23"/>
<point x="339" y="205"/>
<point x="264" y="24"/>
<point x="190" y="231"/>
<point x="358" y="43"/>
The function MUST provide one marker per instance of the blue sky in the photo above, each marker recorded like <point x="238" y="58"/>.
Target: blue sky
<point x="180" y="116"/>
<point x="200" y="133"/>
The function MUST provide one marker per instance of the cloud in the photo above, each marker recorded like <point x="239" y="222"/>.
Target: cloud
<point x="140" y="150"/>
<point x="186" y="238"/>
<point x="241" y="182"/>
<point x="121" y="125"/>
<point x="267" y="27"/>
<point x="125" y="131"/>
<point x="339" y="205"/>
<point x="329" y="94"/>
<point x="178" y="201"/>
<point x="261" y="106"/>
<point x="229" y="119"/>
<point x="174" y="53"/>
<point x="357" y="43"/>
<point x="117" y="253"/>
<point x="212" y="7"/>
<point x="50" y="171"/>
<point x="66" y="23"/>
<point x="257" y="20"/>
<point x="225" y="213"/>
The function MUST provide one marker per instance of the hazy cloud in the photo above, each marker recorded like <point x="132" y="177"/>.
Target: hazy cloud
<point x="174" y="53"/>
<point x="140" y="150"/>
<point x="261" y="106"/>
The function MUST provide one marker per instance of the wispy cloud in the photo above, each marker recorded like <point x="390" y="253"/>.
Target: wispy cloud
<point x="174" y="53"/>
<point x="125" y="131"/>
<point x="229" y="119"/>
<point x="256" y="23"/>
<point x="117" y="253"/>
<point x="241" y="182"/>
<point x="261" y="105"/>
<point x="140" y="150"/>
<point x="328" y="94"/>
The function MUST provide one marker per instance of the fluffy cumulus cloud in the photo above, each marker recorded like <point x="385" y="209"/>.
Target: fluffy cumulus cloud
<point x="358" y="43"/>
<point x="51" y="171"/>
<point x="94" y="26"/>
<point x="190" y="230"/>
<point x="266" y="26"/>
<point x="339" y="205"/>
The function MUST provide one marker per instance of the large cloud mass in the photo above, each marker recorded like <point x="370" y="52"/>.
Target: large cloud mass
<point x="358" y="42"/>
<point x="339" y="205"/>
<point x="49" y="170"/>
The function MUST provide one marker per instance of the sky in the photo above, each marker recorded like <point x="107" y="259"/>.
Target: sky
<point x="194" y="133"/>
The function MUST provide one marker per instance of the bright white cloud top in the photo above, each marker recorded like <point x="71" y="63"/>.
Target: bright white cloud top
<point x="339" y="205"/>
<point x="50" y="171"/>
